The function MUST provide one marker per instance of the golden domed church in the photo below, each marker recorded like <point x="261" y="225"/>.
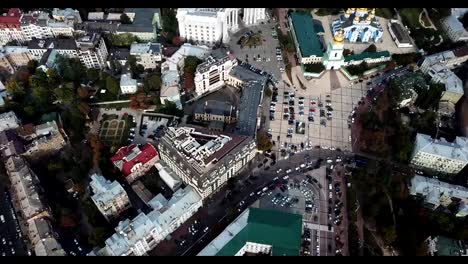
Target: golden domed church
<point x="359" y="25"/>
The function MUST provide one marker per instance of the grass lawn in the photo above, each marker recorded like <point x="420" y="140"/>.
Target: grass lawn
<point x="410" y="17"/>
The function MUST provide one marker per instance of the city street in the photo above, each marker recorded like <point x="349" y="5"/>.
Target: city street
<point x="218" y="212"/>
<point x="11" y="239"/>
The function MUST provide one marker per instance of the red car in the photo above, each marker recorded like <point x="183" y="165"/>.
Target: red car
<point x="312" y="102"/>
<point x="312" y="110"/>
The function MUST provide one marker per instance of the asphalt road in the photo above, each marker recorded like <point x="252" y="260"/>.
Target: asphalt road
<point x="218" y="212"/>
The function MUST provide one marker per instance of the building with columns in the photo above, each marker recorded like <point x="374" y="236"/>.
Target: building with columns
<point x="253" y="16"/>
<point x="212" y="25"/>
<point x="207" y="25"/>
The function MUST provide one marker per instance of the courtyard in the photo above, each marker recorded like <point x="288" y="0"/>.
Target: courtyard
<point x="111" y="131"/>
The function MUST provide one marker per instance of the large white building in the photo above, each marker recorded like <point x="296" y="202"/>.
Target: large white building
<point x="213" y="73"/>
<point x="440" y="155"/>
<point x="207" y="25"/>
<point x="213" y="25"/>
<point x="109" y="197"/>
<point x="438" y="193"/>
<point x="147" y="54"/>
<point x="137" y="236"/>
<point x="253" y="16"/>
<point x="92" y="51"/>
<point x="359" y="25"/>
<point x="206" y="164"/>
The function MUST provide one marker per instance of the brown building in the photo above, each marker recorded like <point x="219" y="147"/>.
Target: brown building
<point x="216" y="111"/>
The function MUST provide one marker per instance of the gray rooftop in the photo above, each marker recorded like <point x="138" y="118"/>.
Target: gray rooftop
<point x="248" y="107"/>
<point x="61" y="44"/>
<point x="454" y="24"/>
<point x="143" y="21"/>
<point x="244" y="74"/>
<point x="400" y="33"/>
<point x="457" y="150"/>
<point x="216" y="108"/>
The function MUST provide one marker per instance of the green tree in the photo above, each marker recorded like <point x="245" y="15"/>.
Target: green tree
<point x="112" y="86"/>
<point x="32" y="66"/>
<point x="152" y="83"/>
<point x="263" y="141"/>
<point x="371" y="48"/>
<point x="191" y="63"/>
<point x="169" y="23"/>
<point x="65" y="94"/>
<point x="14" y="89"/>
<point x="268" y="92"/>
<point x="124" y="19"/>
<point x="170" y="108"/>
<point x="92" y="75"/>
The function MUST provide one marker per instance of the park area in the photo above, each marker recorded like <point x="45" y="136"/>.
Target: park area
<point x="112" y="130"/>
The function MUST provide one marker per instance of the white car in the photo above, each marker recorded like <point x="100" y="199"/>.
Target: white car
<point x="279" y="170"/>
<point x="302" y="165"/>
<point x="286" y="177"/>
<point x="329" y="161"/>
<point x="288" y="171"/>
<point x="297" y="168"/>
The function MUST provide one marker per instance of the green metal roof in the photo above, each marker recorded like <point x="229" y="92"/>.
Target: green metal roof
<point x="367" y="55"/>
<point x="318" y="28"/>
<point x="307" y="39"/>
<point x="279" y="229"/>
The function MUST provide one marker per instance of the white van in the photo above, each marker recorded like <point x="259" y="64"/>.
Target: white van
<point x="2" y="218"/>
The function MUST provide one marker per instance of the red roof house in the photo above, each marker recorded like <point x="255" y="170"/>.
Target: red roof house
<point x="133" y="160"/>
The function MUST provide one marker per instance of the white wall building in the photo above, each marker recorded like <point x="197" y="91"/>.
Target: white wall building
<point x="128" y="85"/>
<point x="438" y="193"/>
<point x="253" y="16"/>
<point x="207" y="25"/>
<point x="147" y="54"/>
<point x="137" y="236"/>
<point x="213" y="73"/>
<point x="440" y="155"/>
<point x="92" y="51"/>
<point x="109" y="197"/>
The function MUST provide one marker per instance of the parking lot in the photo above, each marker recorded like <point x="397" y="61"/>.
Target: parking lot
<point x="263" y="56"/>
<point x="297" y="117"/>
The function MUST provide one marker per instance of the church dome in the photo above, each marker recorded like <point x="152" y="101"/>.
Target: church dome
<point x="356" y="18"/>
<point x="339" y="37"/>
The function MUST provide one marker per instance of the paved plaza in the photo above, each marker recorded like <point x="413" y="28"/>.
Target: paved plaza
<point x="333" y="133"/>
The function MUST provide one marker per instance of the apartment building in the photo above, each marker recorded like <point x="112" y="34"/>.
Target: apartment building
<point x="109" y="197"/>
<point x="253" y="16"/>
<point x="92" y="51"/>
<point x="47" y="139"/>
<point x="437" y="193"/>
<point x="454" y="29"/>
<point x="143" y="233"/>
<point x="147" y="54"/>
<point x="43" y="238"/>
<point x="66" y="47"/>
<point x="134" y="160"/>
<point x="10" y="144"/>
<point x="440" y="155"/>
<point x="16" y="56"/>
<point x="22" y="27"/>
<point x="213" y="73"/>
<point x="205" y="160"/>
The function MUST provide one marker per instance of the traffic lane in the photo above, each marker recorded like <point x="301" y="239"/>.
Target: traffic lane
<point x="11" y="239"/>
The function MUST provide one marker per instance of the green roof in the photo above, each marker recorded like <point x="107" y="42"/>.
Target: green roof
<point x="318" y="28"/>
<point x="307" y="39"/>
<point x="279" y="229"/>
<point x="367" y="55"/>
